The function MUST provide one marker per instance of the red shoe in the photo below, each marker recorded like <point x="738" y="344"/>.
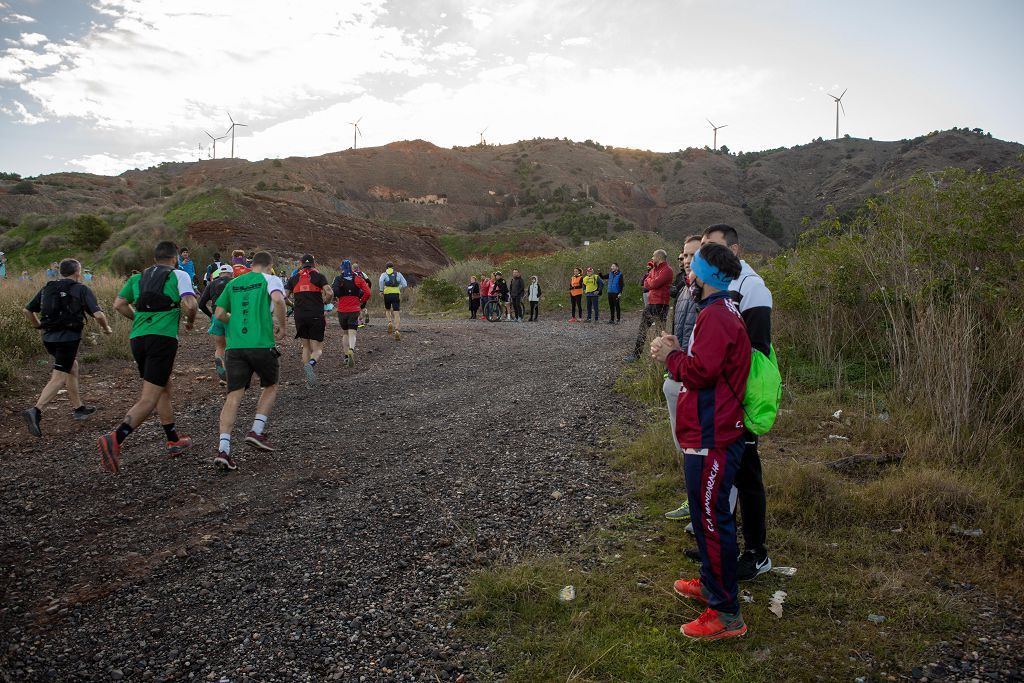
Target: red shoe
<point x="225" y="462"/>
<point x="110" y="452"/>
<point x="176" y="448"/>
<point x="259" y="441"/>
<point x="690" y="588"/>
<point x="712" y="625"/>
<point x="573" y="320"/>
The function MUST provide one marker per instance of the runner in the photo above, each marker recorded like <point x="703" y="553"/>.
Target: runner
<point x="352" y="292"/>
<point x="309" y="291"/>
<point x="709" y="429"/>
<point x="252" y="308"/>
<point x="212" y="270"/>
<point x="239" y="264"/>
<point x="391" y="285"/>
<point x="364" y="313"/>
<point x="154" y="301"/>
<point x="63" y="303"/>
<point x="209" y="296"/>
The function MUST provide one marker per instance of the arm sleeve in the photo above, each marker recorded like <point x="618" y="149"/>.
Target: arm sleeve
<point x="759" y="327"/>
<point x="126" y="290"/>
<point x="184" y="284"/>
<point x="365" y="288"/>
<point x="402" y="282"/>
<point x="224" y="300"/>
<point x="36" y="305"/>
<point x="89" y="299"/>
<point x="320" y="280"/>
<point x="701" y="367"/>
<point x="274" y="284"/>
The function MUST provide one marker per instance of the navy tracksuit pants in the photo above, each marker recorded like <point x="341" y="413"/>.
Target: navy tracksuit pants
<point x="709" y="487"/>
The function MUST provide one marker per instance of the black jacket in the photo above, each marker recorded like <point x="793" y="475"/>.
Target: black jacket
<point x="517" y="287"/>
<point x="211" y="293"/>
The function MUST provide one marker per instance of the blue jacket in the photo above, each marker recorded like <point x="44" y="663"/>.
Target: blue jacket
<point x="615" y="281"/>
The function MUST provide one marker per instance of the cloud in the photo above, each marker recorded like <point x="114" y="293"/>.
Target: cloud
<point x="109" y="164"/>
<point x="579" y="40"/>
<point x="21" y="114"/>
<point x="32" y="39"/>
<point x="18" y="19"/>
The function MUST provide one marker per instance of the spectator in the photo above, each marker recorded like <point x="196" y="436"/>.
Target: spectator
<point x="576" y="294"/>
<point x="486" y="289"/>
<point x="516" y="290"/>
<point x="185" y="263"/>
<point x="500" y="292"/>
<point x="615" y="288"/>
<point x="534" y="295"/>
<point x="3" y="266"/>
<point x="52" y="273"/>
<point x="473" y="292"/>
<point x="709" y="429"/>
<point x="592" y="287"/>
<point x="657" y="282"/>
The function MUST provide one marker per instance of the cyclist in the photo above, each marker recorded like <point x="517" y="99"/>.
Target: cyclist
<point x="500" y="292"/>
<point x="154" y="301"/>
<point x="351" y="291"/>
<point x="391" y="285"/>
<point x="309" y="291"/>
<point x="64" y="304"/>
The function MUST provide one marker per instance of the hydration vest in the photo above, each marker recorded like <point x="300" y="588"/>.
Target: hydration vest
<point x="305" y="283"/>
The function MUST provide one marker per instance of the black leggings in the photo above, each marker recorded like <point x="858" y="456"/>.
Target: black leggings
<point x="577" y="305"/>
<point x="615" y="307"/>
<point x="534" y="310"/>
<point x="751" y="495"/>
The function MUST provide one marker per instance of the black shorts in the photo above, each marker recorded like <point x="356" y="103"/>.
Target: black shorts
<point x="64" y="354"/>
<point x="362" y="306"/>
<point x="392" y="302"/>
<point x="154" y="354"/>
<point x="240" y="364"/>
<point x="348" y="321"/>
<point x="310" y="328"/>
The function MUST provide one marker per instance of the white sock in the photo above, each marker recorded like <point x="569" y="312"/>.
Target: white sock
<point x="259" y="424"/>
<point x="225" y="443"/>
<point x="351" y="340"/>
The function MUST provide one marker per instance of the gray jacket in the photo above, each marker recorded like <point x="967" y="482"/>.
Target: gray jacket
<point x="685" y="318"/>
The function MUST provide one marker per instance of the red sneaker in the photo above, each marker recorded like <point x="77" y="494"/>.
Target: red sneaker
<point x="259" y="441"/>
<point x="176" y="448"/>
<point x="690" y="588"/>
<point x="712" y="625"/>
<point x="110" y="452"/>
<point x="573" y="320"/>
<point x="225" y="462"/>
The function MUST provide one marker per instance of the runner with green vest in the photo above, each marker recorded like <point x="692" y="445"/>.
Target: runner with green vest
<point x="154" y="301"/>
<point x="253" y="311"/>
<point x="391" y="285"/>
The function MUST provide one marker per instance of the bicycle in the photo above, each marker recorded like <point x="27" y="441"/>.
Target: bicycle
<point x="492" y="310"/>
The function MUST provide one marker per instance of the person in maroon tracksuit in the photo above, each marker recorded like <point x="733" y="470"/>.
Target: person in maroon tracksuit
<point x="710" y="431"/>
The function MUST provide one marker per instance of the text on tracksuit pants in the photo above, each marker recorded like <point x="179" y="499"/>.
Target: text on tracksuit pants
<point x="709" y="485"/>
<point x="592" y="305"/>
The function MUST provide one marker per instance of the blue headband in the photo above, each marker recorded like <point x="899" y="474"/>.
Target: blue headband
<point x="708" y="274"/>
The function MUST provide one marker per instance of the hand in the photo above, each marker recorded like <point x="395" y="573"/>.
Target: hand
<point x="278" y="332"/>
<point x="663" y="346"/>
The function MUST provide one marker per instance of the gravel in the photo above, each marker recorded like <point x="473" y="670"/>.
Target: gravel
<point x="338" y="557"/>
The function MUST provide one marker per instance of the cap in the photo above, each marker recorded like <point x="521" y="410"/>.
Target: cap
<point x="307" y="260"/>
<point x="389" y="264"/>
<point x="225" y="270"/>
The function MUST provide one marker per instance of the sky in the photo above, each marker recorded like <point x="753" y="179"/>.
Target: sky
<point x="104" y="86"/>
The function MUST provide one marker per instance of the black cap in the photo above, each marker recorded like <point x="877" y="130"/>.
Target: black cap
<point x="307" y="260"/>
<point x="389" y="264"/>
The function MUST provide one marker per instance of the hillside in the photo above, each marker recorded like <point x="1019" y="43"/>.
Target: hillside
<point x="544" y="192"/>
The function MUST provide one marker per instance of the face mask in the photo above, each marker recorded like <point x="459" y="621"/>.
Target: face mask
<point x="696" y="291"/>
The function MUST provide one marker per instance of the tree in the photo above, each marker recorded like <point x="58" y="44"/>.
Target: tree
<point x="89" y="231"/>
<point x="24" y="187"/>
<point x="723" y="149"/>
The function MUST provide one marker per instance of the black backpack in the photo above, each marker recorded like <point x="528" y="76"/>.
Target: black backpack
<point x="152" y="298"/>
<point x="60" y="309"/>
<point x="347" y="288"/>
<point x="392" y="280"/>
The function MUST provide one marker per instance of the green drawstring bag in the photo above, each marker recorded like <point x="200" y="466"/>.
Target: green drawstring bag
<point x="764" y="392"/>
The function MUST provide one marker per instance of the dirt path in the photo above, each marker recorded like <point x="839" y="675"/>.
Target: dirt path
<point x="335" y="557"/>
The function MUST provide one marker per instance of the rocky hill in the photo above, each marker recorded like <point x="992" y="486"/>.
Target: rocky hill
<point x="408" y="197"/>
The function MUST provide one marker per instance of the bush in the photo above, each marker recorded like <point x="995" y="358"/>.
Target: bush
<point x="52" y="242"/>
<point x="89" y="231"/>
<point x="261" y="185"/>
<point x="125" y="259"/>
<point x="441" y="293"/>
<point x="23" y="187"/>
<point x="9" y="243"/>
<point x="5" y="175"/>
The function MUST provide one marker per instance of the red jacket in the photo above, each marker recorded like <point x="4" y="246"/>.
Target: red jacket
<point x="709" y="413"/>
<point x="485" y="286"/>
<point x="657" y="284"/>
<point x="348" y="300"/>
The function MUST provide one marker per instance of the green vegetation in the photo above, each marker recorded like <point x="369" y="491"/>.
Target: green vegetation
<point x="204" y="206"/>
<point x="766" y="222"/>
<point x="23" y="187"/>
<point x="7" y="175"/>
<point x="89" y="231"/>
<point x="461" y="246"/>
<point x="898" y="331"/>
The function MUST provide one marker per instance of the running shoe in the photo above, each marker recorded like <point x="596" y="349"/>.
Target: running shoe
<point x="391" y="328"/>
<point x="350" y="358"/>
<point x="310" y="375"/>
<point x="714" y="625"/>
<point x="84" y="412"/>
<point x="32" y="416"/>
<point x="361" y="325"/>
<point x="692" y="554"/>
<point x="680" y="514"/>
<point x="398" y="336"/>
<point x="259" y="441"/>
<point x="752" y="564"/>
<point x="176" y="448"/>
<point x="225" y="462"/>
<point x="110" y="452"/>
<point x="573" y="320"/>
<point x="221" y="372"/>
<point x="690" y="588"/>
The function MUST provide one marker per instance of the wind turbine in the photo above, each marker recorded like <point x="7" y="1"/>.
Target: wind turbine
<point x="839" y="103"/>
<point x="214" y="142"/>
<point x="482" y="141"/>
<point x="355" y="130"/>
<point x="231" y="130"/>
<point x="714" y="144"/>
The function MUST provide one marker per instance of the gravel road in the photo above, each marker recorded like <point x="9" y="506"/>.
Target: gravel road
<point x="337" y="557"/>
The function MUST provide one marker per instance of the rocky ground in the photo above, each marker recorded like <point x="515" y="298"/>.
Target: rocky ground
<point x="336" y="558"/>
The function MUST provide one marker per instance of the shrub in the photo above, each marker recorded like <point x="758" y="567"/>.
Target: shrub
<point x="125" y="259"/>
<point x="441" y="292"/>
<point x="5" y="175"/>
<point x="89" y="231"/>
<point x="9" y="243"/>
<point x="53" y="242"/>
<point x="261" y="185"/>
<point x="23" y="187"/>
